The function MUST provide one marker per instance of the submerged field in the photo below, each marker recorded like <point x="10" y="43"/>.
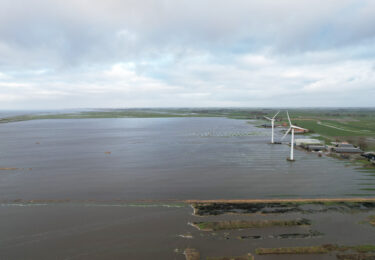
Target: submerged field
<point x="115" y="229"/>
<point x="164" y="158"/>
<point x="322" y="236"/>
<point x="123" y="188"/>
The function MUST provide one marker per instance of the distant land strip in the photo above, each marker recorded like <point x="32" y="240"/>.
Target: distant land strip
<point x="195" y="201"/>
<point x="282" y="200"/>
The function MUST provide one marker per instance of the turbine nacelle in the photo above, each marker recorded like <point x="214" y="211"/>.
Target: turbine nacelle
<point x="273" y="118"/>
<point x="291" y="126"/>
<point x="268" y="118"/>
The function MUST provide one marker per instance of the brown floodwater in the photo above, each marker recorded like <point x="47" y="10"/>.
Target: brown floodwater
<point x="165" y="160"/>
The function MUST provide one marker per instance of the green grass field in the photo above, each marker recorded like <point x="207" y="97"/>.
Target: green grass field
<point x="241" y="224"/>
<point x="356" y="126"/>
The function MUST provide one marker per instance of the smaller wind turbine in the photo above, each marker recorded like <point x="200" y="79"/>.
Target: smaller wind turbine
<point x="273" y="124"/>
<point x="291" y="128"/>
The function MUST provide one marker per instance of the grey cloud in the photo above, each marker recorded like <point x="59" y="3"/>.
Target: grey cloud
<point x="183" y="52"/>
<point x="87" y="31"/>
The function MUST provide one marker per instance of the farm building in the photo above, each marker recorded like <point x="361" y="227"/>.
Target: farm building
<point x="346" y="148"/>
<point x="311" y="144"/>
<point x="305" y="142"/>
<point x="345" y="145"/>
<point x="300" y="131"/>
<point x="316" y="148"/>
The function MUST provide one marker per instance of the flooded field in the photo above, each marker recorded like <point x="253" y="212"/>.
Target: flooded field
<point x="165" y="231"/>
<point x="161" y="159"/>
<point x="115" y="189"/>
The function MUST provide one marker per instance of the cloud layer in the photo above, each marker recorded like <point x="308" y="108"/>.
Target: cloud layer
<point x="152" y="53"/>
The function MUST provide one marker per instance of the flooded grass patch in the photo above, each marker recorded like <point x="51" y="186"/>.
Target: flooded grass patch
<point x="310" y="234"/>
<point x="94" y="203"/>
<point x="243" y="224"/>
<point x="363" y="248"/>
<point x="355" y="256"/>
<point x="292" y="250"/>
<point x="249" y="237"/>
<point x="323" y="249"/>
<point x="191" y="254"/>
<point x="286" y="206"/>
<point x="370" y="220"/>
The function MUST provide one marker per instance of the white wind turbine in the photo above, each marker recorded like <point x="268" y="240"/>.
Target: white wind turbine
<point x="291" y="128"/>
<point x="273" y="124"/>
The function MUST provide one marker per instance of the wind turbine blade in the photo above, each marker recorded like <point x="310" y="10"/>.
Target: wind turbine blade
<point x="287" y="132"/>
<point x="268" y="118"/>
<point x="297" y="127"/>
<point x="276" y="114"/>
<point x="290" y="123"/>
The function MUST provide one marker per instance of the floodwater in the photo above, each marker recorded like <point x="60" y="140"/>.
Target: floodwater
<point x="161" y="159"/>
<point x="94" y="231"/>
<point x="105" y="167"/>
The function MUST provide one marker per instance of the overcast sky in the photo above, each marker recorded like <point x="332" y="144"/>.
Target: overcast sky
<point x="180" y="53"/>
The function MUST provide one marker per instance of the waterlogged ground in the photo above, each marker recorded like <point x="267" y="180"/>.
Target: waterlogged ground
<point x="71" y="189"/>
<point x="169" y="158"/>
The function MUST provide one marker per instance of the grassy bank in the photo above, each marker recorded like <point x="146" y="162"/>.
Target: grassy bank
<point x="141" y="113"/>
<point x="371" y="220"/>
<point x="323" y="249"/>
<point x="280" y="206"/>
<point x="292" y="250"/>
<point x="242" y="224"/>
<point x="328" y="201"/>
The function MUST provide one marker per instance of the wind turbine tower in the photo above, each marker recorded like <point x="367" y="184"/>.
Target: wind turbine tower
<point x="272" y="124"/>
<point x="291" y="128"/>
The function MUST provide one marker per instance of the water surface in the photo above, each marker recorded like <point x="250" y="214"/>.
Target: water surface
<point x="124" y="161"/>
<point x="162" y="159"/>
